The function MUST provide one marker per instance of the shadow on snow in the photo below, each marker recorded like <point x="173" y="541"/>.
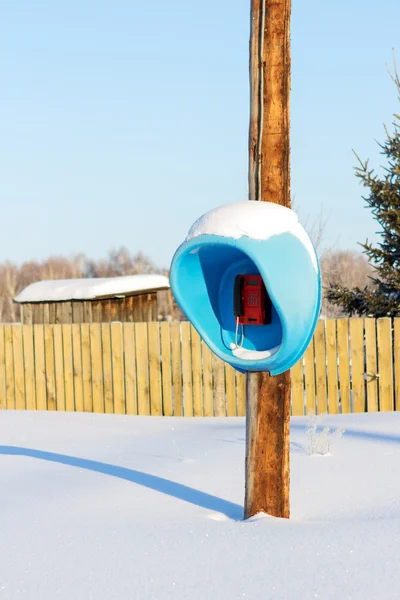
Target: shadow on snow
<point x="152" y="482"/>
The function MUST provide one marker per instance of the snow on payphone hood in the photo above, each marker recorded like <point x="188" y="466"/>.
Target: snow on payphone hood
<point x="241" y="239"/>
<point x="256" y="220"/>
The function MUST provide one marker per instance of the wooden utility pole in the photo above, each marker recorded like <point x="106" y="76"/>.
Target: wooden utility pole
<point x="268" y="398"/>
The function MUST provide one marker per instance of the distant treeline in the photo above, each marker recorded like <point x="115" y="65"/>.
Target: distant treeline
<point x="338" y="266"/>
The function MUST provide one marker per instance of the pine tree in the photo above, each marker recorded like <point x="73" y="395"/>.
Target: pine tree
<point x="382" y="297"/>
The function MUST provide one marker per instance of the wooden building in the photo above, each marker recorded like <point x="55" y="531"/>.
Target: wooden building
<point x="132" y="298"/>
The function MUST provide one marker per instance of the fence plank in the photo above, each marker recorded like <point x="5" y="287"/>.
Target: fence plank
<point x="128" y="308"/>
<point x="320" y="367"/>
<point x="396" y="361"/>
<point x="96" y="311"/>
<point x="166" y="369"/>
<point x="87" y="312"/>
<point x="105" y="329"/>
<point x="332" y="366"/>
<point x="9" y="360"/>
<point x="77" y="313"/>
<point x="357" y="364"/>
<point x="40" y="373"/>
<point x="372" y="367"/>
<point x="37" y="314"/>
<point x="52" y="312"/>
<point x="207" y="380"/>
<point x="385" y="363"/>
<point x="96" y="365"/>
<point x="155" y="369"/>
<point x="130" y="368"/>
<point x="297" y="389"/>
<point x="142" y="316"/>
<point x="3" y="402"/>
<point x="64" y="313"/>
<point x="72" y="333"/>
<point x="241" y="393"/>
<point x="26" y="314"/>
<point x="187" y="370"/>
<point x="230" y="390"/>
<point x="18" y="359"/>
<point x="114" y="311"/>
<point x="29" y="365"/>
<point x="344" y="363"/>
<point x="142" y="361"/>
<point x="310" y="378"/>
<point x="71" y="381"/>
<point x="118" y="368"/>
<point x="106" y="311"/>
<point x="86" y="369"/>
<point x="136" y="315"/>
<point x="177" y="368"/>
<point x="121" y="310"/>
<point x="59" y="367"/>
<point x="219" y="387"/>
<point x="197" y="374"/>
<point x="50" y="369"/>
<point x="46" y="314"/>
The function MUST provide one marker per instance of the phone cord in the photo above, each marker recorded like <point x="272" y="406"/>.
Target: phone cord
<point x="237" y="345"/>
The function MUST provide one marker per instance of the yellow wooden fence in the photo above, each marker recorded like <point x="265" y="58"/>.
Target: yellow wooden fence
<point x="165" y="369"/>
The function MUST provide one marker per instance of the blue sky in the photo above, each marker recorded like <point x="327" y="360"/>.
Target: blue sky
<point x="122" y="122"/>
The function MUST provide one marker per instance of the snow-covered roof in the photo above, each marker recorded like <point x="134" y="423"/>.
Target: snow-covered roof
<point x="89" y="289"/>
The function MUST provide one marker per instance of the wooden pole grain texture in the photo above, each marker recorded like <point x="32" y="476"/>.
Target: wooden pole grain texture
<point x="268" y="398"/>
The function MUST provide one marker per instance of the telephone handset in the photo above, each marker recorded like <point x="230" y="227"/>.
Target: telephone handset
<point x="238" y="303"/>
<point x="251" y="302"/>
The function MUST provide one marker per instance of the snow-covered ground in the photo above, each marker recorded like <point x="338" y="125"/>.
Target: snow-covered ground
<point x="106" y="507"/>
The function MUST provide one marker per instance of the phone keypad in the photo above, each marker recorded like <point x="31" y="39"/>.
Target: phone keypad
<point x="252" y="299"/>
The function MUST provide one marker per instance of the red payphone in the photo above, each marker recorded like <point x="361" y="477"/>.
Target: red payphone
<point x="251" y="302"/>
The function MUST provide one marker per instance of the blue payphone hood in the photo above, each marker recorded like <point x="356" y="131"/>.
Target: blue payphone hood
<point x="250" y="238"/>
